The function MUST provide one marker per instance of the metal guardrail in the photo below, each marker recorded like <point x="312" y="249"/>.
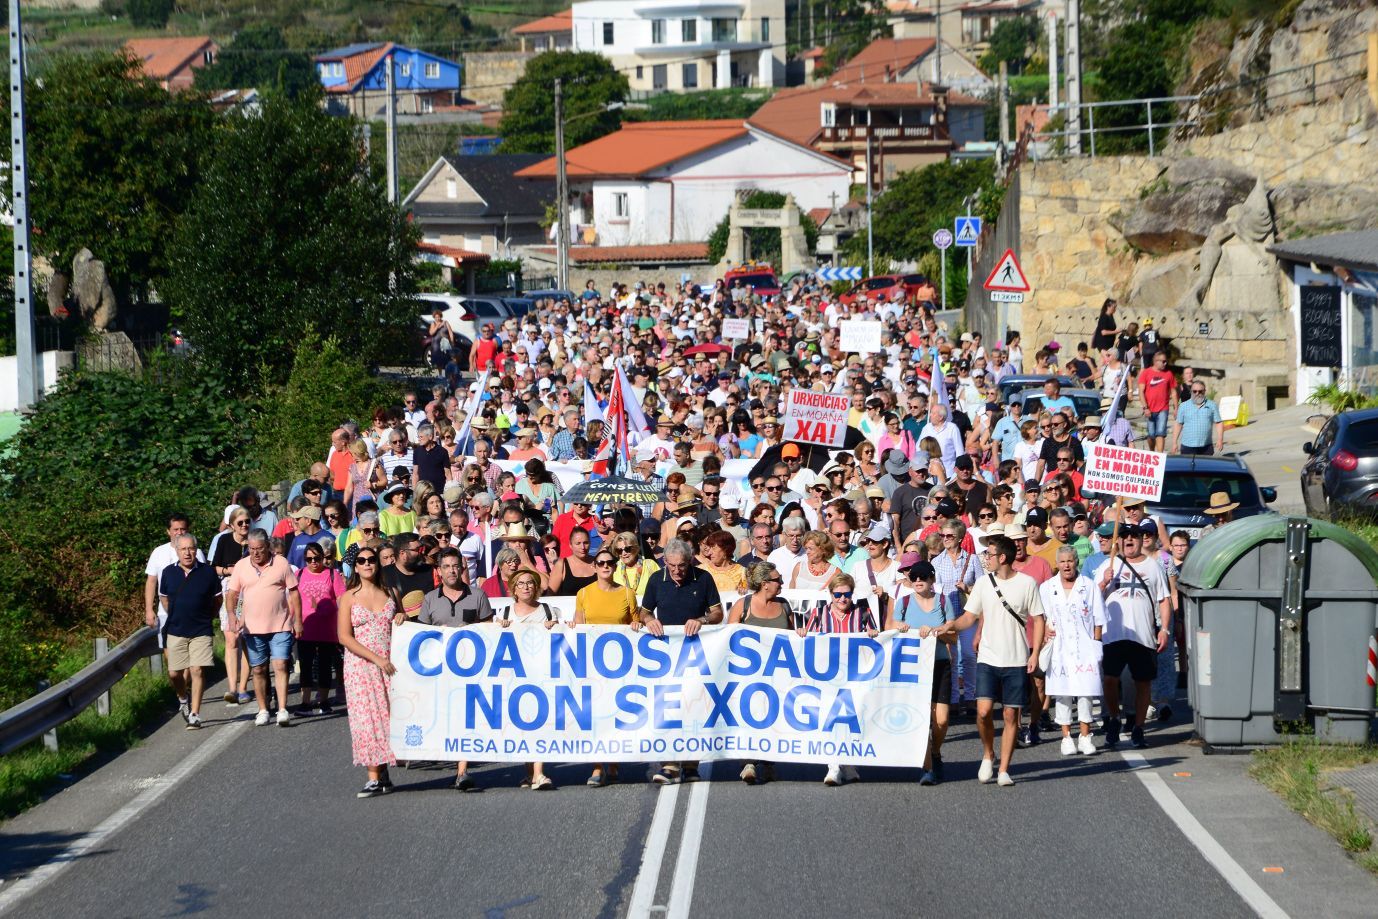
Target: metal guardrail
<point x="34" y="717"/>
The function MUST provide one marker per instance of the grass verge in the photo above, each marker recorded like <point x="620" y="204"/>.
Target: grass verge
<point x="1297" y="771"/>
<point x="27" y="774"/>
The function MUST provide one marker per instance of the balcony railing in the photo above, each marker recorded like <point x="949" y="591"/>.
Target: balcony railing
<point x="842" y="134"/>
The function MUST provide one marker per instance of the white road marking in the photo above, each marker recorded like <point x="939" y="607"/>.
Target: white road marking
<point x="219" y="739"/>
<point x="1220" y="860"/>
<point x="644" y="890"/>
<point x="687" y="863"/>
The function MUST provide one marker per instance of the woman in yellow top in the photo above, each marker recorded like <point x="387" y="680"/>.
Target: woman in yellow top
<point x="394" y="517"/>
<point x="717" y="548"/>
<point x="604" y="602"/>
<point x="633" y="571"/>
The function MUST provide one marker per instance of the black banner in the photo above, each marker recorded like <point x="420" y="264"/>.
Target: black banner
<point x="1320" y="326"/>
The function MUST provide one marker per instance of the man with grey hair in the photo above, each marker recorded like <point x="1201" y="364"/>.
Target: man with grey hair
<point x="396" y="453"/>
<point x="562" y="444"/>
<point x="271" y="615"/>
<point x="791" y="549"/>
<point x="430" y="461"/>
<point x="760" y="541"/>
<point x="679" y="594"/>
<point x="946" y="434"/>
<point x="189" y="594"/>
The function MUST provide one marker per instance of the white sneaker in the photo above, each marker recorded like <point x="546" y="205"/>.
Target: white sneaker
<point x="262" y="717"/>
<point x="1004" y="781"/>
<point x="850" y="774"/>
<point x="1069" y="746"/>
<point x="1151" y="714"/>
<point x="1086" y="745"/>
<point x="284" y="717"/>
<point x="834" y="777"/>
<point x="986" y="772"/>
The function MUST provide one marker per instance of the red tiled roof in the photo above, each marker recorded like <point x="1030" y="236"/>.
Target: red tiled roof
<point x="667" y="252"/>
<point x="163" y="57"/>
<point x="459" y="255"/>
<point x="358" y="66"/>
<point x="870" y="63"/>
<point x="795" y="114"/>
<point x="560" y="22"/>
<point x="811" y="53"/>
<point x="819" y="214"/>
<point x="639" y="147"/>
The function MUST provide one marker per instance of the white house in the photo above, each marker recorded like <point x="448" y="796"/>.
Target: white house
<point x="660" y="182"/>
<point x="684" y="45"/>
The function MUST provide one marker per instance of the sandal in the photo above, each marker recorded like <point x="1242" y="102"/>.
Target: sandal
<point x="544" y="783"/>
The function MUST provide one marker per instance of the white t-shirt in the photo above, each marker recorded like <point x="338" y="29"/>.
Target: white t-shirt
<point x="785" y="561"/>
<point x="1003" y="642"/>
<point x="1130" y="611"/>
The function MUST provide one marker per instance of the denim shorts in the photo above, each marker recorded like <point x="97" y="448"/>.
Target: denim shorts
<point x="1157" y="424"/>
<point x="1006" y="685"/>
<point x="277" y="645"/>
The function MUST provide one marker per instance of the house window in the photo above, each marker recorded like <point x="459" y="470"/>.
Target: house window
<point x="724" y="30"/>
<point x="657" y="31"/>
<point x="638" y="72"/>
<point x="829" y="114"/>
<point x="451" y="188"/>
<point x="337" y="69"/>
<point x="660" y="76"/>
<point x="689" y="31"/>
<point x="208" y="57"/>
<point x="690" y="76"/>
<point x="765" y="28"/>
<point x="607" y="33"/>
<point x="620" y="209"/>
<point x="427" y="105"/>
<point x="432" y="70"/>
<point x="404" y="70"/>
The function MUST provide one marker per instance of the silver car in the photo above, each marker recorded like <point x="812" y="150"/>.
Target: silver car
<point x="1340" y="476"/>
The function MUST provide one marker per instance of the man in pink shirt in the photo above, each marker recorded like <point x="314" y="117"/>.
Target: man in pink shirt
<point x="271" y="616"/>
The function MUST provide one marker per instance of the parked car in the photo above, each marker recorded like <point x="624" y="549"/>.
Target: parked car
<point x="884" y="287"/>
<point x="1189" y="482"/>
<point x="1085" y="401"/>
<point x="1340" y="475"/>
<point x="1021" y="381"/>
<point x="466" y="315"/>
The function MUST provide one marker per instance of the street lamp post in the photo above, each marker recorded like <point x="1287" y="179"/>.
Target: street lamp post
<point x="562" y="181"/>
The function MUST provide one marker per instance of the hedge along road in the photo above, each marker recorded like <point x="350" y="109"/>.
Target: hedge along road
<point x="271" y="824"/>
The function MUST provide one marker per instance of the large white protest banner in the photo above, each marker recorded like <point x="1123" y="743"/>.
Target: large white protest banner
<point x="859" y="336"/>
<point x="1124" y="472"/>
<point x="816" y="417"/>
<point x="612" y="694"/>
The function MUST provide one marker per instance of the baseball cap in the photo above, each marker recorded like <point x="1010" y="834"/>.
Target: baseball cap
<point x="307" y="512"/>
<point x="1036" y="516"/>
<point x="730" y="501"/>
<point x="789" y="451"/>
<point x="945" y="508"/>
<point x="1106" y="529"/>
<point x="921" y="571"/>
<point x="964" y="462"/>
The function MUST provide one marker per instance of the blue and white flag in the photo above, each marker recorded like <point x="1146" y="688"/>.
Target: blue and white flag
<point x="1114" y="410"/>
<point x="471" y="405"/>
<point x="636" y="418"/>
<point x="592" y="410"/>
<point x="938" y="384"/>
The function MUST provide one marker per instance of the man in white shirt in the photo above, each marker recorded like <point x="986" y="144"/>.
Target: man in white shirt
<point x="946" y="434"/>
<point x="1005" y="599"/>
<point x="787" y="555"/>
<point x="155" y="616"/>
<point x="1138" y="621"/>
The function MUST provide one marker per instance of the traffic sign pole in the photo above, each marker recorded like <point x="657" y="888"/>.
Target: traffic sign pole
<point x="942" y="238"/>
<point x="942" y="254"/>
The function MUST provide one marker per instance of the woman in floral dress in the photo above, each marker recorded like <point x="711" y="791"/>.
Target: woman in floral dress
<point x="365" y="617"/>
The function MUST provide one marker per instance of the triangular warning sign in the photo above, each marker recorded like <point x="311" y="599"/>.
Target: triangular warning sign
<point x="1007" y="275"/>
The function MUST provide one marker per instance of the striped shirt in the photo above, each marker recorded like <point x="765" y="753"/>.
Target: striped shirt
<point x="821" y="620"/>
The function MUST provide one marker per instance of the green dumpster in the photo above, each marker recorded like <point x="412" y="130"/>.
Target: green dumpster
<point x="1279" y="612"/>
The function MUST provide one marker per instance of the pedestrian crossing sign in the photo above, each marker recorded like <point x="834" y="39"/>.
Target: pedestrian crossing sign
<point x="1007" y="275"/>
<point x="966" y="230"/>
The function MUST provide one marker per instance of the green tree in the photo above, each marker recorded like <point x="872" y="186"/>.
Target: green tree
<point x="289" y="234"/>
<point x="762" y="242"/>
<point x="905" y="215"/>
<point x="1011" y="41"/>
<point x="258" y="56"/>
<point x="149" y="13"/>
<point x="844" y="27"/>
<point x="113" y="159"/>
<point x="589" y="84"/>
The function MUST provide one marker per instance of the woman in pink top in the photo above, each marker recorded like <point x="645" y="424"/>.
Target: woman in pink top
<point x="318" y="651"/>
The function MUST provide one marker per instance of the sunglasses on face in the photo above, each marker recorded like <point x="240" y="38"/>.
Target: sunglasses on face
<point x="842" y="595"/>
<point x="366" y="560"/>
<point x="928" y="517"/>
<point x="603" y="563"/>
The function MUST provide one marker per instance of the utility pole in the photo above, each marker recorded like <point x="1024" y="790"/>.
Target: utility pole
<point x="561" y="193"/>
<point x="938" y="45"/>
<point x="25" y="356"/>
<point x="1074" y="77"/>
<point x="392" y="130"/>
<point x="967" y="202"/>
<point x="1052" y="64"/>
<point x="1004" y="105"/>
<point x="870" y="239"/>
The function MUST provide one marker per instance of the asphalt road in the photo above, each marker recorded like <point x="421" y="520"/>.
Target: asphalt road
<point x="272" y="824"/>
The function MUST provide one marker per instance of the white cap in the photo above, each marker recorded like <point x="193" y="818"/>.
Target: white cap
<point x="730" y="501"/>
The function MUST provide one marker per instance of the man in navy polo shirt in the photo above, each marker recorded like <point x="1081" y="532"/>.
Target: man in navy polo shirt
<point x="190" y="593"/>
<point x="679" y="594"/>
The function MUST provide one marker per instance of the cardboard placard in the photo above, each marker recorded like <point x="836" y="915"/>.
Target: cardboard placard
<point x="816" y="417"/>
<point x="1124" y="472"/>
<point x="860" y="336"/>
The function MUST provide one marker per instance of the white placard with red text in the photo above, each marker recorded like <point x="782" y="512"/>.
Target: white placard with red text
<point x="816" y="417"/>
<point x="1124" y="471"/>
